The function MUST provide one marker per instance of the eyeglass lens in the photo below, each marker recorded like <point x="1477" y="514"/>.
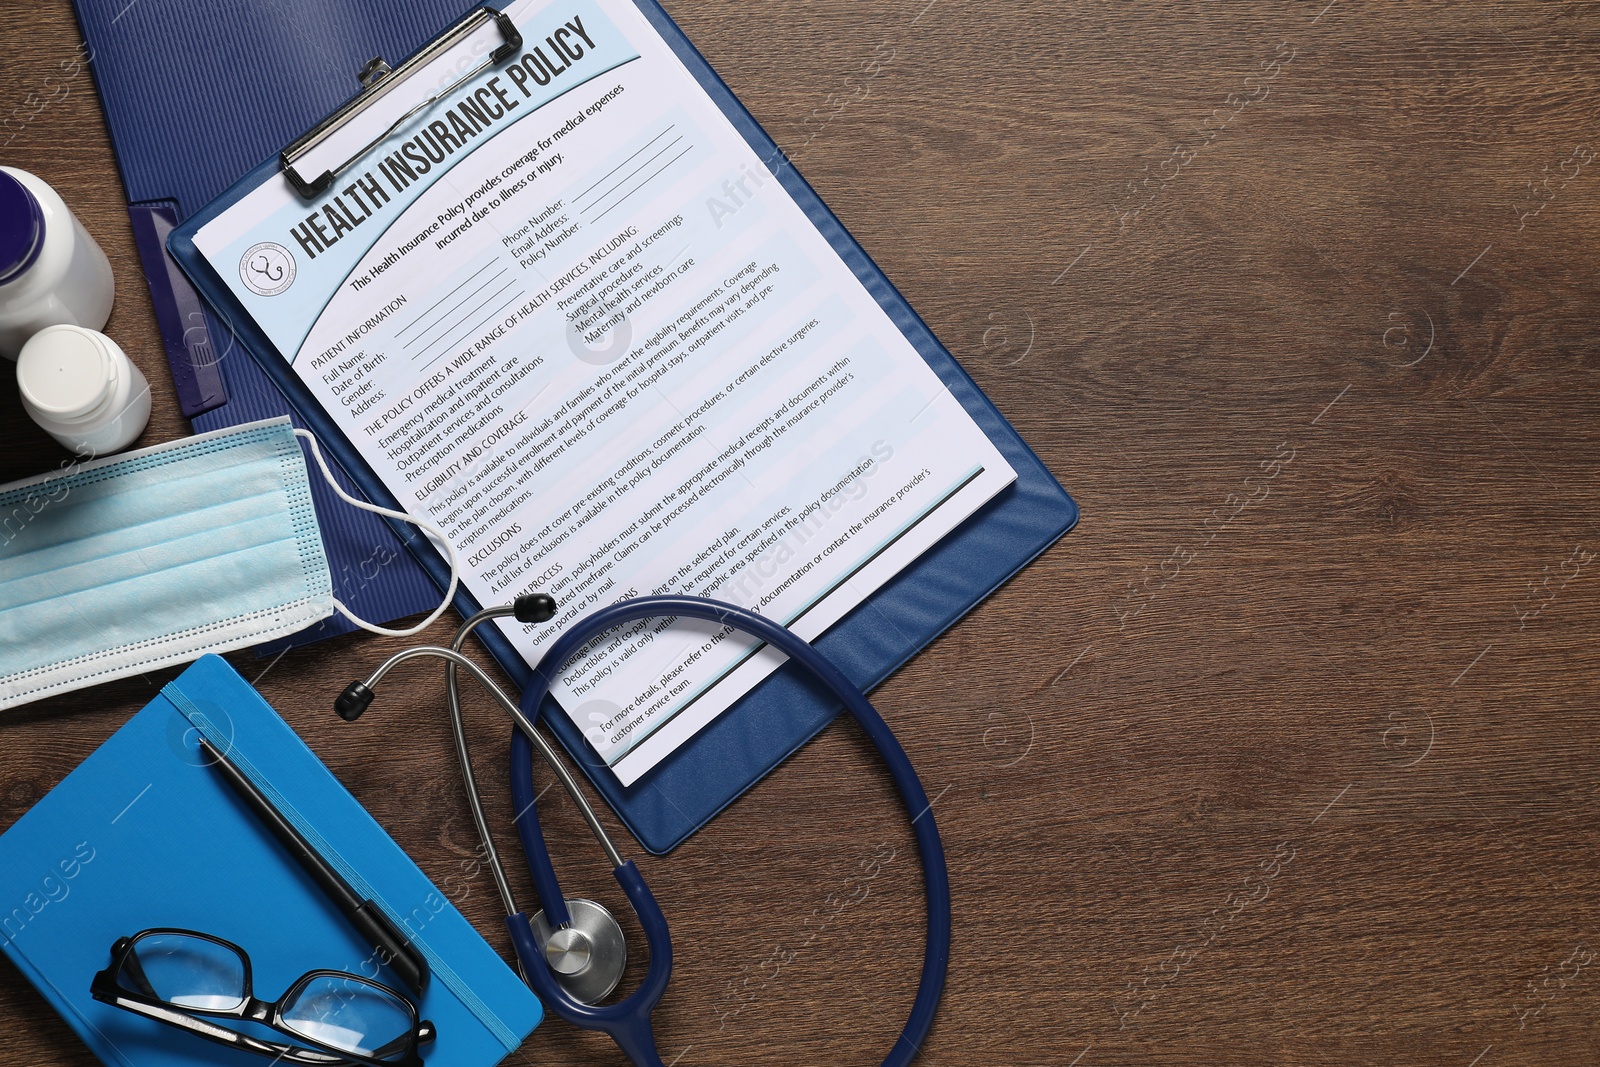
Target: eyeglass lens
<point x="342" y="1012"/>
<point x="186" y="972"/>
<point x="348" y="1014"/>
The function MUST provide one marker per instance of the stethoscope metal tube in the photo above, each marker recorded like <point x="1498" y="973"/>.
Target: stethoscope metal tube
<point x="358" y="697"/>
<point x="587" y="949"/>
<point x="558" y="916"/>
<point x="458" y="731"/>
<point x="629" y="1021"/>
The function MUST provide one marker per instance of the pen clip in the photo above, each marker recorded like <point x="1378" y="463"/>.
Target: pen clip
<point x="377" y="80"/>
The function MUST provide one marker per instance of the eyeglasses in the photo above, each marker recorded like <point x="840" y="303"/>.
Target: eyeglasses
<point x="183" y="978"/>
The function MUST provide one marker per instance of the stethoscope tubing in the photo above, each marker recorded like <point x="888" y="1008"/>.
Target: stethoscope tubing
<point x="628" y="1021"/>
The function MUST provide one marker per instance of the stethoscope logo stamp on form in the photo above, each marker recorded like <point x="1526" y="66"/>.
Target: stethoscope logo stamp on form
<point x="267" y="268"/>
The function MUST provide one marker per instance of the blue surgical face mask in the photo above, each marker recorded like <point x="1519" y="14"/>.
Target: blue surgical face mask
<point x="118" y="566"/>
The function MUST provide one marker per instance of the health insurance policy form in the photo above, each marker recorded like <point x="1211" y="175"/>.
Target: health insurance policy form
<point x="567" y="314"/>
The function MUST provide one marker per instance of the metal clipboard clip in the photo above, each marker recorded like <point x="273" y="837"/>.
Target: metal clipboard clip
<point x="378" y="80"/>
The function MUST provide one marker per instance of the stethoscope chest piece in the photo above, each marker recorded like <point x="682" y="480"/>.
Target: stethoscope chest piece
<point x="589" y="955"/>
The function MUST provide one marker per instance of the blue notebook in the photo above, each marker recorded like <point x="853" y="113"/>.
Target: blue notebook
<point x="746" y="742"/>
<point x="144" y="834"/>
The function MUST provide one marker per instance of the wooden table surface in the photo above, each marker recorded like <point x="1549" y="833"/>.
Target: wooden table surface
<point x="1287" y="753"/>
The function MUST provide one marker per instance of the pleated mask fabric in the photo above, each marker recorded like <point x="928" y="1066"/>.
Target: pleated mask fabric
<point x="118" y="566"/>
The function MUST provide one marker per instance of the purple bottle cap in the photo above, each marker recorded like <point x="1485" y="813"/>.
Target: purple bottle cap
<point x="21" y="228"/>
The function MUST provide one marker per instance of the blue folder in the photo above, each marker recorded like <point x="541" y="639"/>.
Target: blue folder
<point x="730" y="755"/>
<point x="195" y="94"/>
<point x="144" y="834"/>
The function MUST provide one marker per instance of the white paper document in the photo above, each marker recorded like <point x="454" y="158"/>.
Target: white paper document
<point x="568" y="315"/>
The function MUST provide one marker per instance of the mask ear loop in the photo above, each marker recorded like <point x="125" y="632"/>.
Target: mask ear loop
<point x="422" y="524"/>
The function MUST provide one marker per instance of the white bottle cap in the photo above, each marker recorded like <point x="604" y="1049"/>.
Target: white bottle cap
<point x="67" y="374"/>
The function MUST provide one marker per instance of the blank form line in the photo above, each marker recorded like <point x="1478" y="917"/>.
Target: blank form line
<point x="491" y="280"/>
<point x="468" y="315"/>
<point x="438" y="303"/>
<point x="644" y="183"/>
<point x="479" y="324"/>
<point x="634" y="173"/>
<point x="624" y="163"/>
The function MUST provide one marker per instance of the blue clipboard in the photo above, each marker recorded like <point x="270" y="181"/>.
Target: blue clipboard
<point x="196" y="93"/>
<point x="749" y="740"/>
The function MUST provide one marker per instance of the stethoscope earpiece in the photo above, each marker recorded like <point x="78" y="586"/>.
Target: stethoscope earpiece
<point x="534" y="607"/>
<point x="355" y="699"/>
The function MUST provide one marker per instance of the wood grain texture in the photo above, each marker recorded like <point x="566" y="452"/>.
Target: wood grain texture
<point x="1272" y="760"/>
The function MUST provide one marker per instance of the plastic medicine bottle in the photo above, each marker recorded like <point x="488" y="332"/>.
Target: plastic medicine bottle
<point x="83" y="390"/>
<point x="51" y="270"/>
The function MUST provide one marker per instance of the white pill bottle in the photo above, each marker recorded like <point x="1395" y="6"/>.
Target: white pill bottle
<point x="83" y="390"/>
<point x="51" y="270"/>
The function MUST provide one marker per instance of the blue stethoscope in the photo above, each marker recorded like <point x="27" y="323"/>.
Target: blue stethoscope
<point x="572" y="953"/>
